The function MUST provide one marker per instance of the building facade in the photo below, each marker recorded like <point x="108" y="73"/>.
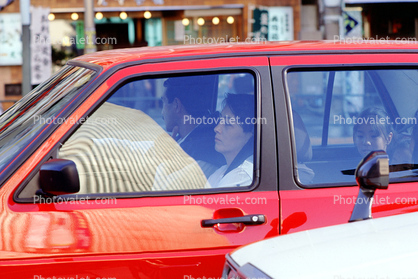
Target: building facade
<point x="136" y="23"/>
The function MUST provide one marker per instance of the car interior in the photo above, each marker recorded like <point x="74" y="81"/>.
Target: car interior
<point x="123" y="146"/>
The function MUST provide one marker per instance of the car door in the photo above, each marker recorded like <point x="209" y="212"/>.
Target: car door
<point x="327" y="94"/>
<point x="145" y="208"/>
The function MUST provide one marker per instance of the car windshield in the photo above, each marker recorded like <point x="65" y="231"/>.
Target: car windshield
<point x="22" y="123"/>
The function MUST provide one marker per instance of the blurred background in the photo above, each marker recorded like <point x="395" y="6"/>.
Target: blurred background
<point x="37" y="37"/>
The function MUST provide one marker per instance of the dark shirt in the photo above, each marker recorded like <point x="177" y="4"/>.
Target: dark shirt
<point x="200" y="145"/>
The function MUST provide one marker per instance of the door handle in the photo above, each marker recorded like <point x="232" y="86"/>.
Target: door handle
<point x="254" y="219"/>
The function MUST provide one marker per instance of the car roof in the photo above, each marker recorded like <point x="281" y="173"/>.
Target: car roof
<point x="118" y="56"/>
<point x="373" y="248"/>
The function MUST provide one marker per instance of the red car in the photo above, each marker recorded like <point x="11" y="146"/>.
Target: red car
<point x="156" y="162"/>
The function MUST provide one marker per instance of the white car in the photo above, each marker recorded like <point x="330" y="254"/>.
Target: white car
<point x="374" y="248"/>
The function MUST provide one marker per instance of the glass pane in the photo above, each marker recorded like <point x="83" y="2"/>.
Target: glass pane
<point x="23" y="122"/>
<point x="168" y="134"/>
<point x="342" y="115"/>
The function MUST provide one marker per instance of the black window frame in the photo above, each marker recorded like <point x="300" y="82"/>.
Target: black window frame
<point x="155" y="75"/>
<point x="391" y="109"/>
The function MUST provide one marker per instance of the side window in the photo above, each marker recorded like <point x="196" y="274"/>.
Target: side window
<point x="168" y="134"/>
<point x="340" y="115"/>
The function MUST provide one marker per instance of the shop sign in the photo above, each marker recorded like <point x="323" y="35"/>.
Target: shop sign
<point x="272" y="24"/>
<point x="79" y="28"/>
<point x="353" y="24"/>
<point x="41" y="61"/>
<point x="10" y="39"/>
<point x="260" y="24"/>
<point x="280" y="24"/>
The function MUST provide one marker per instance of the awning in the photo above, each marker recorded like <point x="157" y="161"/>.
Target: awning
<point x="212" y="12"/>
<point x="149" y="8"/>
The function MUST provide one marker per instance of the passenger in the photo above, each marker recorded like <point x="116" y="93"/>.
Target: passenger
<point x="185" y="102"/>
<point x="235" y="141"/>
<point x="373" y="131"/>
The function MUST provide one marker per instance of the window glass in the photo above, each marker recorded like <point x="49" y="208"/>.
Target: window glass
<point x="23" y="122"/>
<point x="167" y="134"/>
<point x="341" y="115"/>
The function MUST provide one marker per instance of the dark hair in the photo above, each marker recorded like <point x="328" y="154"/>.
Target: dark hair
<point x="366" y="116"/>
<point x="242" y="106"/>
<point x="196" y="93"/>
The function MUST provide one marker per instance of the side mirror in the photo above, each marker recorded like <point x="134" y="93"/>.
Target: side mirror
<point x="59" y="177"/>
<point x="372" y="173"/>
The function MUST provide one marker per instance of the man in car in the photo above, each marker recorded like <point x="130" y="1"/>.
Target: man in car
<point x="187" y="105"/>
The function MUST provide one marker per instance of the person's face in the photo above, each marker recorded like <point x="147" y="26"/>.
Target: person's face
<point x="230" y="137"/>
<point x="168" y="112"/>
<point x="368" y="138"/>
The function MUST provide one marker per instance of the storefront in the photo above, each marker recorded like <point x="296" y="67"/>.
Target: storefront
<point x="137" y="23"/>
<point x="121" y="27"/>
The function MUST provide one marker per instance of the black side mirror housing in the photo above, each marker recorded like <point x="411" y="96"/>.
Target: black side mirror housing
<point x="372" y="173"/>
<point x="59" y="177"/>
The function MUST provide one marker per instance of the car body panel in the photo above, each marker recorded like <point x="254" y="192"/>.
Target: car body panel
<point x="168" y="52"/>
<point x="299" y="209"/>
<point x="159" y="235"/>
<point x="336" y="207"/>
<point x="149" y="232"/>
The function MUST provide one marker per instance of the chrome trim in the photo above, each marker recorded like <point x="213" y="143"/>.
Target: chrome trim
<point x="229" y="264"/>
<point x="246" y="271"/>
